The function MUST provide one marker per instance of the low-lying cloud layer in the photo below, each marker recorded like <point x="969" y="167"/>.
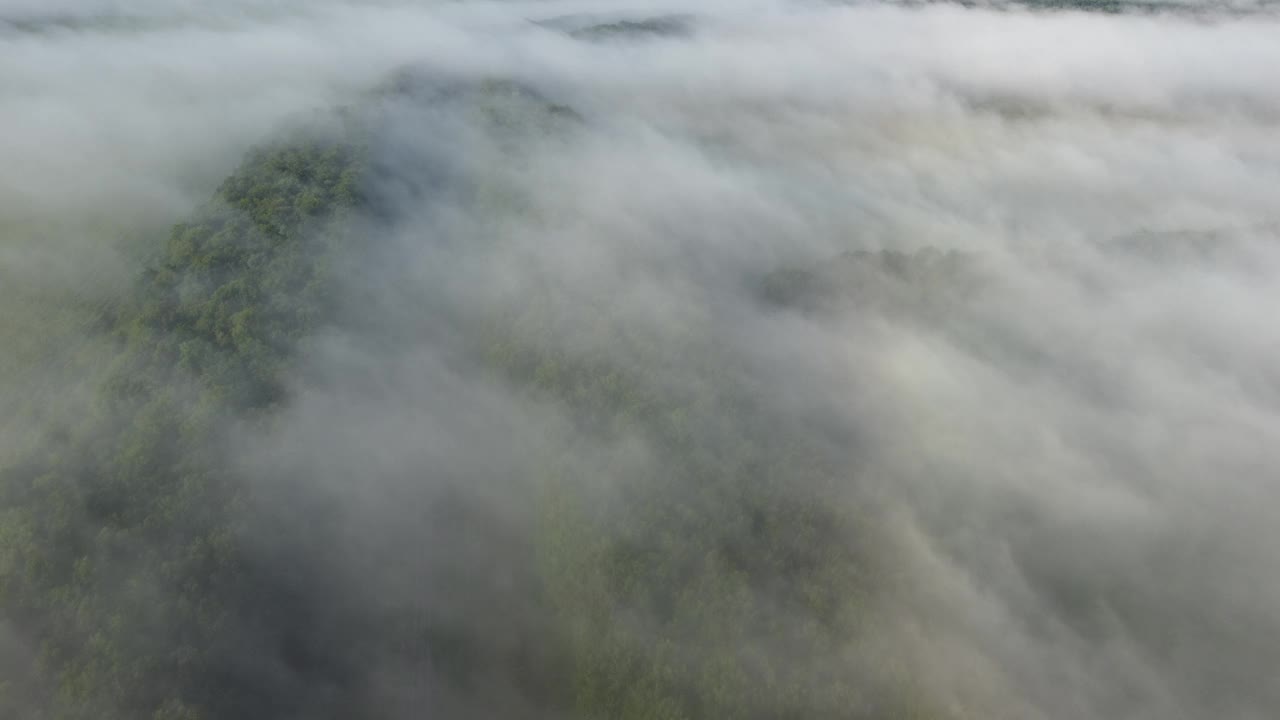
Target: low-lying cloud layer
<point x="1065" y="432"/>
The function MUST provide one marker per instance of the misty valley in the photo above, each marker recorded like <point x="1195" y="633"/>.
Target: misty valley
<point x="399" y="359"/>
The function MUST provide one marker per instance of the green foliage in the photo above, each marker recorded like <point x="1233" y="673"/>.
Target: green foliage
<point x="664" y="26"/>
<point x="922" y="284"/>
<point x="728" y="577"/>
<point x="119" y="547"/>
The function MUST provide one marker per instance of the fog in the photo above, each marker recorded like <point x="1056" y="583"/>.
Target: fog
<point x="1054" y="433"/>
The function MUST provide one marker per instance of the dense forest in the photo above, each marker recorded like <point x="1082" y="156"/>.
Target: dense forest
<point x="131" y="502"/>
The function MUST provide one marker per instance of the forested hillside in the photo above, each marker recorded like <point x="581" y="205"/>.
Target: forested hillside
<point x="120" y="553"/>
<point x="127" y="564"/>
